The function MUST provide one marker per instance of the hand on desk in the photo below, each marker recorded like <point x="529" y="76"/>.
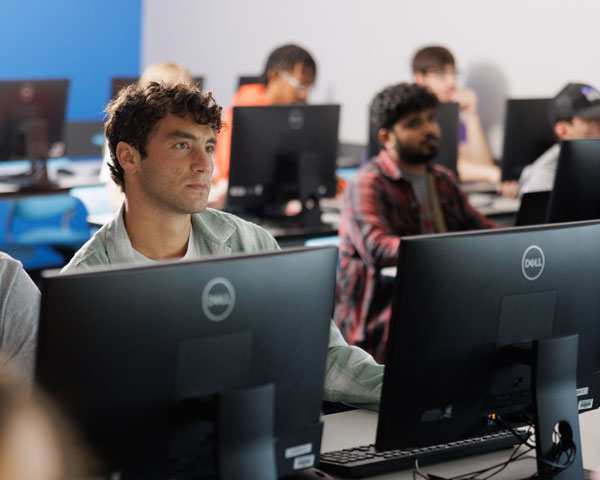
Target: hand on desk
<point x="509" y="188"/>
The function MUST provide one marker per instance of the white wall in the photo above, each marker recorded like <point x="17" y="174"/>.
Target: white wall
<point x="508" y="48"/>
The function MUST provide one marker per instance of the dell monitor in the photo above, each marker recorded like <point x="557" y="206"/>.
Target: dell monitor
<point x="32" y="120"/>
<point x="446" y="115"/>
<point x="533" y="208"/>
<point x="527" y="134"/>
<point x="150" y="362"/>
<point x="281" y="153"/>
<point x="576" y="192"/>
<point x="84" y="139"/>
<point x="118" y="83"/>
<point x="463" y="305"/>
<point x="250" y="80"/>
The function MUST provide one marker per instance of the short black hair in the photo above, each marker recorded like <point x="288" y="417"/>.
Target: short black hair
<point x="286" y="57"/>
<point x="433" y="57"/>
<point x="395" y="102"/>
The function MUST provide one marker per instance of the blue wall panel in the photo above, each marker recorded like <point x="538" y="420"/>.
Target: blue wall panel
<point x="87" y="41"/>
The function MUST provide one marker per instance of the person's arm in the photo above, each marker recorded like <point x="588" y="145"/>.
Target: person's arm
<point x="20" y="305"/>
<point x="508" y="188"/>
<point x="352" y="376"/>
<point x="367" y="224"/>
<point x="475" y="162"/>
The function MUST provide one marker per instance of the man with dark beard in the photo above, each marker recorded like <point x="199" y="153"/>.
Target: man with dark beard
<point x="398" y="193"/>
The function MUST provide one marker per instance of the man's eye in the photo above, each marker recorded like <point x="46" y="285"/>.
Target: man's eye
<point x="413" y="124"/>
<point x="181" y="145"/>
<point x="210" y="149"/>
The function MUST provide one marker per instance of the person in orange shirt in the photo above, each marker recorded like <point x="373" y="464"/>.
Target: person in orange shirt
<point x="288" y="76"/>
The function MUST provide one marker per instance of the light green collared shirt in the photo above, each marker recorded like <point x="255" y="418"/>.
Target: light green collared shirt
<point x="352" y="376"/>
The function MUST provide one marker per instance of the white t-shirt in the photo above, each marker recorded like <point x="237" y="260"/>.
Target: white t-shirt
<point x="192" y="253"/>
<point x="539" y="176"/>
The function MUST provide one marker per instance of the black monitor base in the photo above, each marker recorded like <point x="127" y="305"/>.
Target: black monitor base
<point x="245" y="438"/>
<point x="554" y="398"/>
<point x="37" y="179"/>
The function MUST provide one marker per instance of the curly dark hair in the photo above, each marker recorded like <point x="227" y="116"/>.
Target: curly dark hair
<point x="432" y="57"/>
<point x="134" y="113"/>
<point x="395" y="102"/>
<point x="286" y="57"/>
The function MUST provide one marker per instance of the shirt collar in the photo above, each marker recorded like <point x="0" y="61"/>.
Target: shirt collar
<point x="388" y="166"/>
<point x="213" y="230"/>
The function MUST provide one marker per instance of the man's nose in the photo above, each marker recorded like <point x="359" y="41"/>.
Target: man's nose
<point x="202" y="161"/>
<point x="433" y="127"/>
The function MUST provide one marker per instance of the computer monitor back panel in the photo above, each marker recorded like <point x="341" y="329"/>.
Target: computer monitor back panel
<point x="461" y="298"/>
<point x="527" y="134"/>
<point x="576" y="192"/>
<point x="447" y="116"/>
<point x="533" y="208"/>
<point x="84" y="139"/>
<point x="263" y="138"/>
<point x="23" y="100"/>
<point x="119" y="350"/>
<point x="249" y="80"/>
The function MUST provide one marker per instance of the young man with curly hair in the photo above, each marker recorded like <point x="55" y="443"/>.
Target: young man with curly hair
<point x="161" y="140"/>
<point x="396" y="194"/>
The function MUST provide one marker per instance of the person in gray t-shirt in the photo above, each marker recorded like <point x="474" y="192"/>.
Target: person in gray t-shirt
<point x="19" y="311"/>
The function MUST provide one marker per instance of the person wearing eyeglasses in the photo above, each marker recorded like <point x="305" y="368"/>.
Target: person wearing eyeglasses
<point x="434" y="67"/>
<point x="289" y="74"/>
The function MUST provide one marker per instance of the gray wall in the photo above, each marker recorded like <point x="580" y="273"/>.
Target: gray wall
<point x="509" y="48"/>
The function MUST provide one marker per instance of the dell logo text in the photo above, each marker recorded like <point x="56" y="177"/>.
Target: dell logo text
<point x="533" y="262"/>
<point x="218" y="299"/>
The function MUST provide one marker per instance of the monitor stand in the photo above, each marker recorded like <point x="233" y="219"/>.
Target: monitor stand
<point x="241" y="435"/>
<point x="37" y="179"/>
<point x="34" y="134"/>
<point x="554" y="398"/>
<point x="298" y="176"/>
<point x="245" y="438"/>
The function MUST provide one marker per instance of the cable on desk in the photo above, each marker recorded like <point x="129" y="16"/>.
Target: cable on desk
<point x="494" y="469"/>
<point x="476" y="474"/>
<point x="563" y="444"/>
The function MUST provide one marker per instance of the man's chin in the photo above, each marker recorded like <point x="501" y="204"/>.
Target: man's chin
<point x="194" y="207"/>
<point x="419" y="159"/>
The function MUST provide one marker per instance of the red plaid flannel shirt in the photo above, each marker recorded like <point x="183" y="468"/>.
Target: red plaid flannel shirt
<point x="379" y="208"/>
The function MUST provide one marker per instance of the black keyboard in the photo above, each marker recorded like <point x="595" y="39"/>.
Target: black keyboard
<point x="365" y="461"/>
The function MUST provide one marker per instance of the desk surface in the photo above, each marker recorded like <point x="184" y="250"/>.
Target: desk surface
<point x="82" y="173"/>
<point x="358" y="427"/>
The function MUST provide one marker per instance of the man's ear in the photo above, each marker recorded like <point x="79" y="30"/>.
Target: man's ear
<point x="419" y="78"/>
<point x="562" y="130"/>
<point x="128" y="156"/>
<point x="386" y="139"/>
<point x="271" y="74"/>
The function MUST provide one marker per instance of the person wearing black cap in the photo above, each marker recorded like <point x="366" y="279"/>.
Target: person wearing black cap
<point x="574" y="114"/>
